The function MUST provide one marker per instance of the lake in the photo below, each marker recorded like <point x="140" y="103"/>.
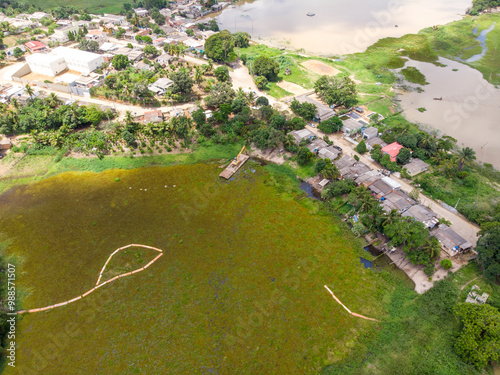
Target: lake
<point x="469" y="109"/>
<point x="239" y="288"/>
<point x="338" y="27"/>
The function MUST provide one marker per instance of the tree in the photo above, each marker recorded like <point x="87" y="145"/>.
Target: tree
<point x="29" y="90"/>
<point x="151" y="51"/>
<point x="262" y="101"/>
<point x="199" y="117"/>
<point x="150" y="4"/>
<point x="446" y="264"/>
<point x="305" y="110"/>
<point x="261" y="82"/>
<point x="219" y="46"/>
<point x="266" y="67"/>
<point x="488" y="249"/>
<point x="337" y="90"/>
<point x="361" y="147"/>
<point x="319" y="166"/>
<point x="241" y="39"/>
<point x="89" y="45"/>
<point x="404" y="156"/>
<point x="222" y="73"/>
<point x="182" y="82"/>
<point x="304" y="156"/>
<point x="266" y="137"/>
<point x="376" y="153"/>
<point x="120" y="62"/>
<point x="479" y="339"/>
<point x="147" y="39"/>
<point x="18" y="52"/>
<point x="332" y="125"/>
<point x="221" y="92"/>
<point x="465" y="157"/>
<point x="71" y="36"/>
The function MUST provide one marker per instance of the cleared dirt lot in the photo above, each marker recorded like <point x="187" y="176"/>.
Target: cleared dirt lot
<point x="320" y="67"/>
<point x="292" y="88"/>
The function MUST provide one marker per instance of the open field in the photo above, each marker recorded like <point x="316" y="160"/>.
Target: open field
<point x="320" y="68"/>
<point x="92" y="6"/>
<point x="227" y="294"/>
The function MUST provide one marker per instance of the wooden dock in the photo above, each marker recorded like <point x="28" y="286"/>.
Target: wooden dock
<point x="232" y="169"/>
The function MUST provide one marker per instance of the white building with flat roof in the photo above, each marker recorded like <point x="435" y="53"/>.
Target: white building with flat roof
<point x="45" y="64"/>
<point x="81" y="61"/>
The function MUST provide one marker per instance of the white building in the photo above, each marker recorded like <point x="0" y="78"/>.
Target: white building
<point x="45" y="64"/>
<point x="81" y="61"/>
<point x="61" y="33"/>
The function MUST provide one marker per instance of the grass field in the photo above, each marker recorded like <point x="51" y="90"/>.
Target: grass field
<point x="91" y="6"/>
<point x="228" y="296"/>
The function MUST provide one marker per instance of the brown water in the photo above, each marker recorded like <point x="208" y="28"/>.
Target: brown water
<point x="338" y="27"/>
<point x="469" y="110"/>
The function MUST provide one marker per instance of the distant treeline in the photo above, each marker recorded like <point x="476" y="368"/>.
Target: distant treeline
<point x="480" y="5"/>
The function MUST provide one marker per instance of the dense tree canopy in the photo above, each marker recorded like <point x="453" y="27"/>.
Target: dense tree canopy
<point x="120" y="62"/>
<point x="488" y="248"/>
<point x="479" y="340"/>
<point x="337" y="90"/>
<point x="305" y="110"/>
<point x="222" y="73"/>
<point x="265" y="67"/>
<point x="219" y="46"/>
<point x="182" y="82"/>
<point x="332" y="125"/>
<point x="221" y="92"/>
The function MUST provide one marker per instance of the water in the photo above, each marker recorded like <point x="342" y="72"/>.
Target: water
<point x="365" y="262"/>
<point x="339" y="27"/>
<point x="469" y="111"/>
<point x="482" y="39"/>
<point x="308" y="189"/>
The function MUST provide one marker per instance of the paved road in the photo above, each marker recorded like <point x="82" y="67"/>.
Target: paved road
<point x="459" y="223"/>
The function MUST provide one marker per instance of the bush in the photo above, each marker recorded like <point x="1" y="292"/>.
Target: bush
<point x="429" y="269"/>
<point x="356" y="157"/>
<point x="361" y="147"/>
<point x="446" y="264"/>
<point x="332" y="125"/>
<point x="262" y="100"/>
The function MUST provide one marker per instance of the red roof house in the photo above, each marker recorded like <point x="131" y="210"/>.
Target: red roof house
<point x="392" y="150"/>
<point x="35" y="46"/>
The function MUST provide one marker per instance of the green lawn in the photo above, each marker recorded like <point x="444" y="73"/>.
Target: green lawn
<point x="91" y="6"/>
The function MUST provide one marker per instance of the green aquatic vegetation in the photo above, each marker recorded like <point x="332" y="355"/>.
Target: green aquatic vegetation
<point x="239" y="287"/>
<point x="413" y="75"/>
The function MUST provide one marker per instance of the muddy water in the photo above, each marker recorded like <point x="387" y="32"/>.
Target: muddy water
<point x="338" y="27"/>
<point x="469" y="110"/>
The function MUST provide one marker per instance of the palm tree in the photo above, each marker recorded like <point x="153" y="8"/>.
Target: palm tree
<point x="330" y="171"/>
<point x="181" y="49"/>
<point x="210" y="65"/>
<point x="52" y="100"/>
<point x="15" y="103"/>
<point x="465" y="157"/>
<point x="29" y="90"/>
<point x="128" y="118"/>
<point x="198" y="75"/>
<point x="431" y="246"/>
<point x="390" y="218"/>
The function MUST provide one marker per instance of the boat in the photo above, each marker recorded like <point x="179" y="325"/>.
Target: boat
<point x="310" y="14"/>
<point x="441" y="98"/>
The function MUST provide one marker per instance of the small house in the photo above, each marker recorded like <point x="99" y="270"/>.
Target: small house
<point x="5" y="144"/>
<point x="423" y="214"/>
<point x="392" y="150"/>
<point x="450" y="240"/>
<point x="301" y="135"/>
<point x="160" y="86"/>
<point x="329" y="152"/>
<point x="153" y="116"/>
<point x="370" y="133"/>
<point x="416" y="166"/>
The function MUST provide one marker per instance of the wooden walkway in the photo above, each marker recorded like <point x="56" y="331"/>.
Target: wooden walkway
<point x="232" y="169"/>
<point x="98" y="284"/>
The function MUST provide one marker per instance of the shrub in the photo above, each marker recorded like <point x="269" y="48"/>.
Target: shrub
<point x="361" y="147"/>
<point x="446" y="264"/>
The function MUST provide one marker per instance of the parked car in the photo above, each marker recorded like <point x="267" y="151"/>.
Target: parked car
<point x="338" y="148"/>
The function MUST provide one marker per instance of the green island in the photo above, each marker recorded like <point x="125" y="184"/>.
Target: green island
<point x="240" y="285"/>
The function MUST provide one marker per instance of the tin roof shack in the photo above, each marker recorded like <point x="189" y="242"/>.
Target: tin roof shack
<point x="396" y="200"/>
<point x="329" y="152"/>
<point x="316" y="145"/>
<point x="416" y="166"/>
<point x="345" y="161"/>
<point x="160" y="86"/>
<point x="301" y="135"/>
<point x="370" y="133"/>
<point x="423" y="214"/>
<point x="350" y="125"/>
<point x="354" y="171"/>
<point x="370" y="143"/>
<point x="153" y="116"/>
<point x="323" y="112"/>
<point x="164" y="59"/>
<point x="5" y="143"/>
<point x="379" y="188"/>
<point x="451" y="242"/>
<point x="368" y="178"/>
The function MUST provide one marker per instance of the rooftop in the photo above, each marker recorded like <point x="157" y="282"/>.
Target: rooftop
<point x="422" y="214"/>
<point x="75" y="54"/>
<point x="416" y="166"/>
<point x="392" y="150"/>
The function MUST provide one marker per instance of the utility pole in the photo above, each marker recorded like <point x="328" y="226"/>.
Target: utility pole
<point x="480" y="175"/>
